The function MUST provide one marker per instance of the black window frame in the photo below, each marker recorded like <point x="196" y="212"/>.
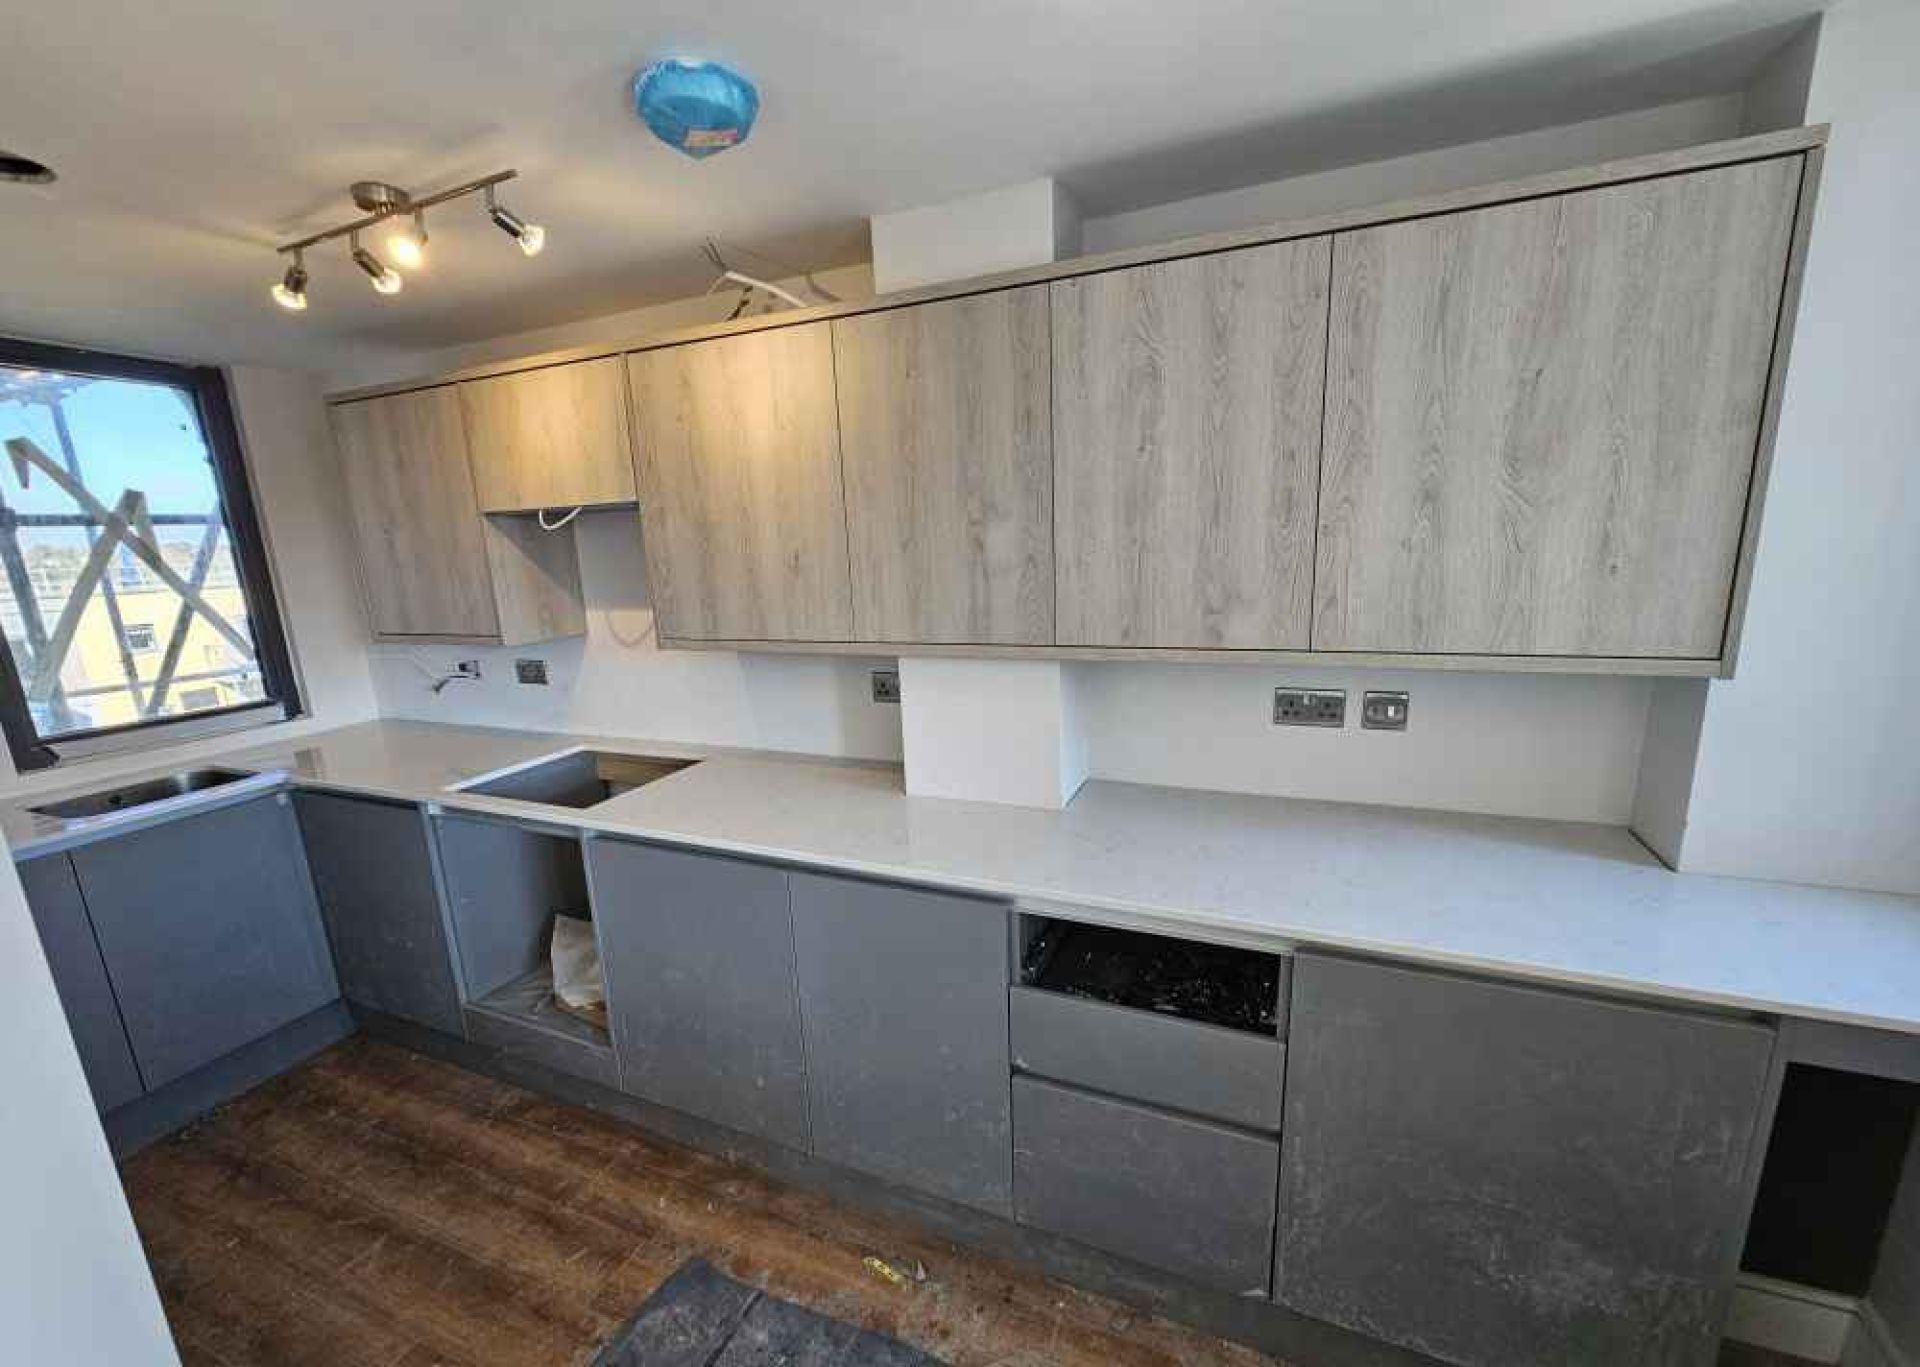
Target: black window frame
<point x="207" y="385"/>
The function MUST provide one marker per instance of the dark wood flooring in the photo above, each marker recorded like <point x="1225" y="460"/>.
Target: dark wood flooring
<point x="375" y="1208"/>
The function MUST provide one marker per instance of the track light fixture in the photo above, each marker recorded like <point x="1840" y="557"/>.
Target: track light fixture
<point x="531" y="236"/>
<point x="291" y="292"/>
<point x="406" y="244"/>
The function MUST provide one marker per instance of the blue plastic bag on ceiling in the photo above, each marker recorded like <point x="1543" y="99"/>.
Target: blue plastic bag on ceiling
<point x="698" y="108"/>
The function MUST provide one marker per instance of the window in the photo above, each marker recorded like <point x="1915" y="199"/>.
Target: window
<point x="136" y="597"/>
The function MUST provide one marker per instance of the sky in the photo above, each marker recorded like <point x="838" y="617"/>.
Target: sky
<point x="129" y="436"/>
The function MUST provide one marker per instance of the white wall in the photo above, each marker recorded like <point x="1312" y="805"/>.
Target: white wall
<point x="1565" y="747"/>
<point x="74" y="1284"/>
<point x="616" y="681"/>
<point x="1448" y="168"/>
<point x="1809" y="764"/>
<point x="292" y="467"/>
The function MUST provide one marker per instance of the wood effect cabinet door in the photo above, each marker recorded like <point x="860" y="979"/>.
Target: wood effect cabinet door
<point x="737" y="451"/>
<point x="80" y="978"/>
<point x="1542" y="419"/>
<point x="903" y="1000"/>
<point x="1186" y="428"/>
<point x="1504" y="1176"/>
<point x="700" y="987"/>
<point x="948" y="452"/>
<point x="372" y="866"/>
<point x="422" y="544"/>
<point x="550" y="438"/>
<point x="209" y="931"/>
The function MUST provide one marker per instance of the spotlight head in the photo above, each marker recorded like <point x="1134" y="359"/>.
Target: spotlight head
<point x="531" y="236"/>
<point x="386" y="280"/>
<point x="291" y="292"/>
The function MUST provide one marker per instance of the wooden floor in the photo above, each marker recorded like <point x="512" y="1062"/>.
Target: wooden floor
<point x="375" y="1208"/>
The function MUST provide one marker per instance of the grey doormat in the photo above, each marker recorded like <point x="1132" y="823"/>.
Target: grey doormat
<point x="703" y="1318"/>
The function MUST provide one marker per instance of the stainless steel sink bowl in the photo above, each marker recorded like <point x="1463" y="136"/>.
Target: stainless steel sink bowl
<point x="142" y="794"/>
<point x="585" y="778"/>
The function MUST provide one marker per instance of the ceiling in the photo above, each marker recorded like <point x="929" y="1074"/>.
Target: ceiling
<point x="190" y="137"/>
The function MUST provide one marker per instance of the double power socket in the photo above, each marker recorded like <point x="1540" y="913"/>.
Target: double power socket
<point x="1379" y="711"/>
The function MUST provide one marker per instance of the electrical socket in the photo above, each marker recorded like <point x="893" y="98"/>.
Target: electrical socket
<point x="531" y="672"/>
<point x="468" y="669"/>
<point x="1383" y="712"/>
<point x="886" y="685"/>
<point x="1310" y="707"/>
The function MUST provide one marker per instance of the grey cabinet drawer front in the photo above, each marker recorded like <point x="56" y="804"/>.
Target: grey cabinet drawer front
<point x="1191" y="1198"/>
<point x="1205" y="1069"/>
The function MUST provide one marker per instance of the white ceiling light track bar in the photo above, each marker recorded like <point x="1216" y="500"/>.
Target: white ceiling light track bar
<point x="406" y="245"/>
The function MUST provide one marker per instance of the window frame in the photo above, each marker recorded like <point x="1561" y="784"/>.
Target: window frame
<point x="207" y="386"/>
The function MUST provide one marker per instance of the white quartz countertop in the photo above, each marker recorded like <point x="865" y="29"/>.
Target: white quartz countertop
<point x="1554" y="901"/>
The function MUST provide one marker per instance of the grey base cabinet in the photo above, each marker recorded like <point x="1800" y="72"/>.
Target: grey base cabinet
<point x="1498" y="1175"/>
<point x="698" y="952"/>
<point x="903" y="994"/>
<point x="86" y="995"/>
<point x="372" y="865"/>
<point x="209" y="932"/>
<point x="1176" y="1193"/>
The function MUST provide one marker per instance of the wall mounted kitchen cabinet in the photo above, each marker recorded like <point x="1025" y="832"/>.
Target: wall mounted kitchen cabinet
<point x="209" y="931"/>
<point x="1542" y="419"/>
<point x="700" y="985"/>
<point x="555" y="437"/>
<point x="1494" y="1174"/>
<point x="1186" y="421"/>
<point x="1519" y="426"/>
<point x="432" y="566"/>
<point x="738" y="459"/>
<point x="903" y="999"/>
<point x="373" y="871"/>
<point x="80" y="977"/>
<point x="949" y="477"/>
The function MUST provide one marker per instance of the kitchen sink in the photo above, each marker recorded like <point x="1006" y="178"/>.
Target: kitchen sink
<point x="142" y="794"/>
<point x="585" y="778"/>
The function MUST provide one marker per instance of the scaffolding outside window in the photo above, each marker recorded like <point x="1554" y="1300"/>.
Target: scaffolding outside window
<point x="134" y="594"/>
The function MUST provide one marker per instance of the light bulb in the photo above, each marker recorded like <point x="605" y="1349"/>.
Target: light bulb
<point x="389" y="281"/>
<point x="532" y="238"/>
<point x="407" y="244"/>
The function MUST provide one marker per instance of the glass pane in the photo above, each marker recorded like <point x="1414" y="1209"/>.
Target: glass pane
<point x="120" y="599"/>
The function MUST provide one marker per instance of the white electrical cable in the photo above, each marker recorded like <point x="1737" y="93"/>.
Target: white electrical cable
<point x="547" y="526"/>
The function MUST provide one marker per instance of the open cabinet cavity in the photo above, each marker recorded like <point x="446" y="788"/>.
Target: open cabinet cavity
<point x="507" y="881"/>
<point x="1210" y="984"/>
